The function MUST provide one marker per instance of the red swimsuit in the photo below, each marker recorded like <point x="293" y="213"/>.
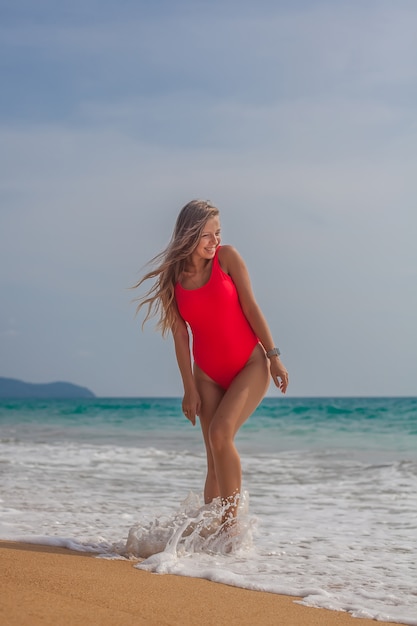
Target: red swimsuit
<point x="223" y="339"/>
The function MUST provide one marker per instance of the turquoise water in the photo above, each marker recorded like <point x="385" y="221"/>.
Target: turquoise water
<point x="361" y="424"/>
<point x="330" y="507"/>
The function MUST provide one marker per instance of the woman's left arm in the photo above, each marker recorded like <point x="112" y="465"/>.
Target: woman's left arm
<point x="232" y="263"/>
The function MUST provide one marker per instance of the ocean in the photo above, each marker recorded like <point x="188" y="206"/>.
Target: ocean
<point x="329" y="511"/>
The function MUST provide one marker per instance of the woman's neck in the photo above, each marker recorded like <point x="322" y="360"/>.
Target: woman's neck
<point x="196" y="265"/>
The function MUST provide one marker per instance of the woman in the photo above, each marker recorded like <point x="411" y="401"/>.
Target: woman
<point x="205" y="287"/>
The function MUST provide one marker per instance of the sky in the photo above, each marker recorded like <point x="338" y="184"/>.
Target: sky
<point x="297" y="118"/>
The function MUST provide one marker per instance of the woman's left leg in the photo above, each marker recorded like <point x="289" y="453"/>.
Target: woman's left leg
<point x="238" y="403"/>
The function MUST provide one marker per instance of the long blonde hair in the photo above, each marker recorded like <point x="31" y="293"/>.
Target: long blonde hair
<point x="170" y="263"/>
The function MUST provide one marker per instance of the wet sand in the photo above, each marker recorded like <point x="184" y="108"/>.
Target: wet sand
<point x="42" y="585"/>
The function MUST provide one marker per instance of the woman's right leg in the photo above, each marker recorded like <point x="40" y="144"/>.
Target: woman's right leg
<point x="211" y="395"/>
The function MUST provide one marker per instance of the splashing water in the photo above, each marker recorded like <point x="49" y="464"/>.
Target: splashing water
<point x="193" y="528"/>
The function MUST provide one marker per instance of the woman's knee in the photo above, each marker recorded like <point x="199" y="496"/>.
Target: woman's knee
<point x="220" y="437"/>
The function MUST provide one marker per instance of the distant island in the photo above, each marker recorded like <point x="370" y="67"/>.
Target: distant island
<point x="13" y="389"/>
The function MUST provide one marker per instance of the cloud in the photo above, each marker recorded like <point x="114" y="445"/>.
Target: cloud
<point x="278" y="53"/>
<point x="83" y="353"/>
<point x="10" y="332"/>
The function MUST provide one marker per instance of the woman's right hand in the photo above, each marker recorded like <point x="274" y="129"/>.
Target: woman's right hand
<point x="191" y="405"/>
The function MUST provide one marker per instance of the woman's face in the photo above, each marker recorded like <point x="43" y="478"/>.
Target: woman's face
<point x="210" y="239"/>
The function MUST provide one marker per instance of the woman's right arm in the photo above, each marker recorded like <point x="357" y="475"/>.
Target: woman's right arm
<point x="191" y="402"/>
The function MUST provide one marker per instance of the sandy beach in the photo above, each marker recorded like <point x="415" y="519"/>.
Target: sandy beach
<point x="47" y="585"/>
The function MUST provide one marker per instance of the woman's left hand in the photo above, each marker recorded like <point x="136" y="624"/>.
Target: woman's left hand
<point x="278" y="373"/>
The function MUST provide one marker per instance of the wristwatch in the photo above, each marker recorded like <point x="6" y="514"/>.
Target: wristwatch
<point x="273" y="352"/>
